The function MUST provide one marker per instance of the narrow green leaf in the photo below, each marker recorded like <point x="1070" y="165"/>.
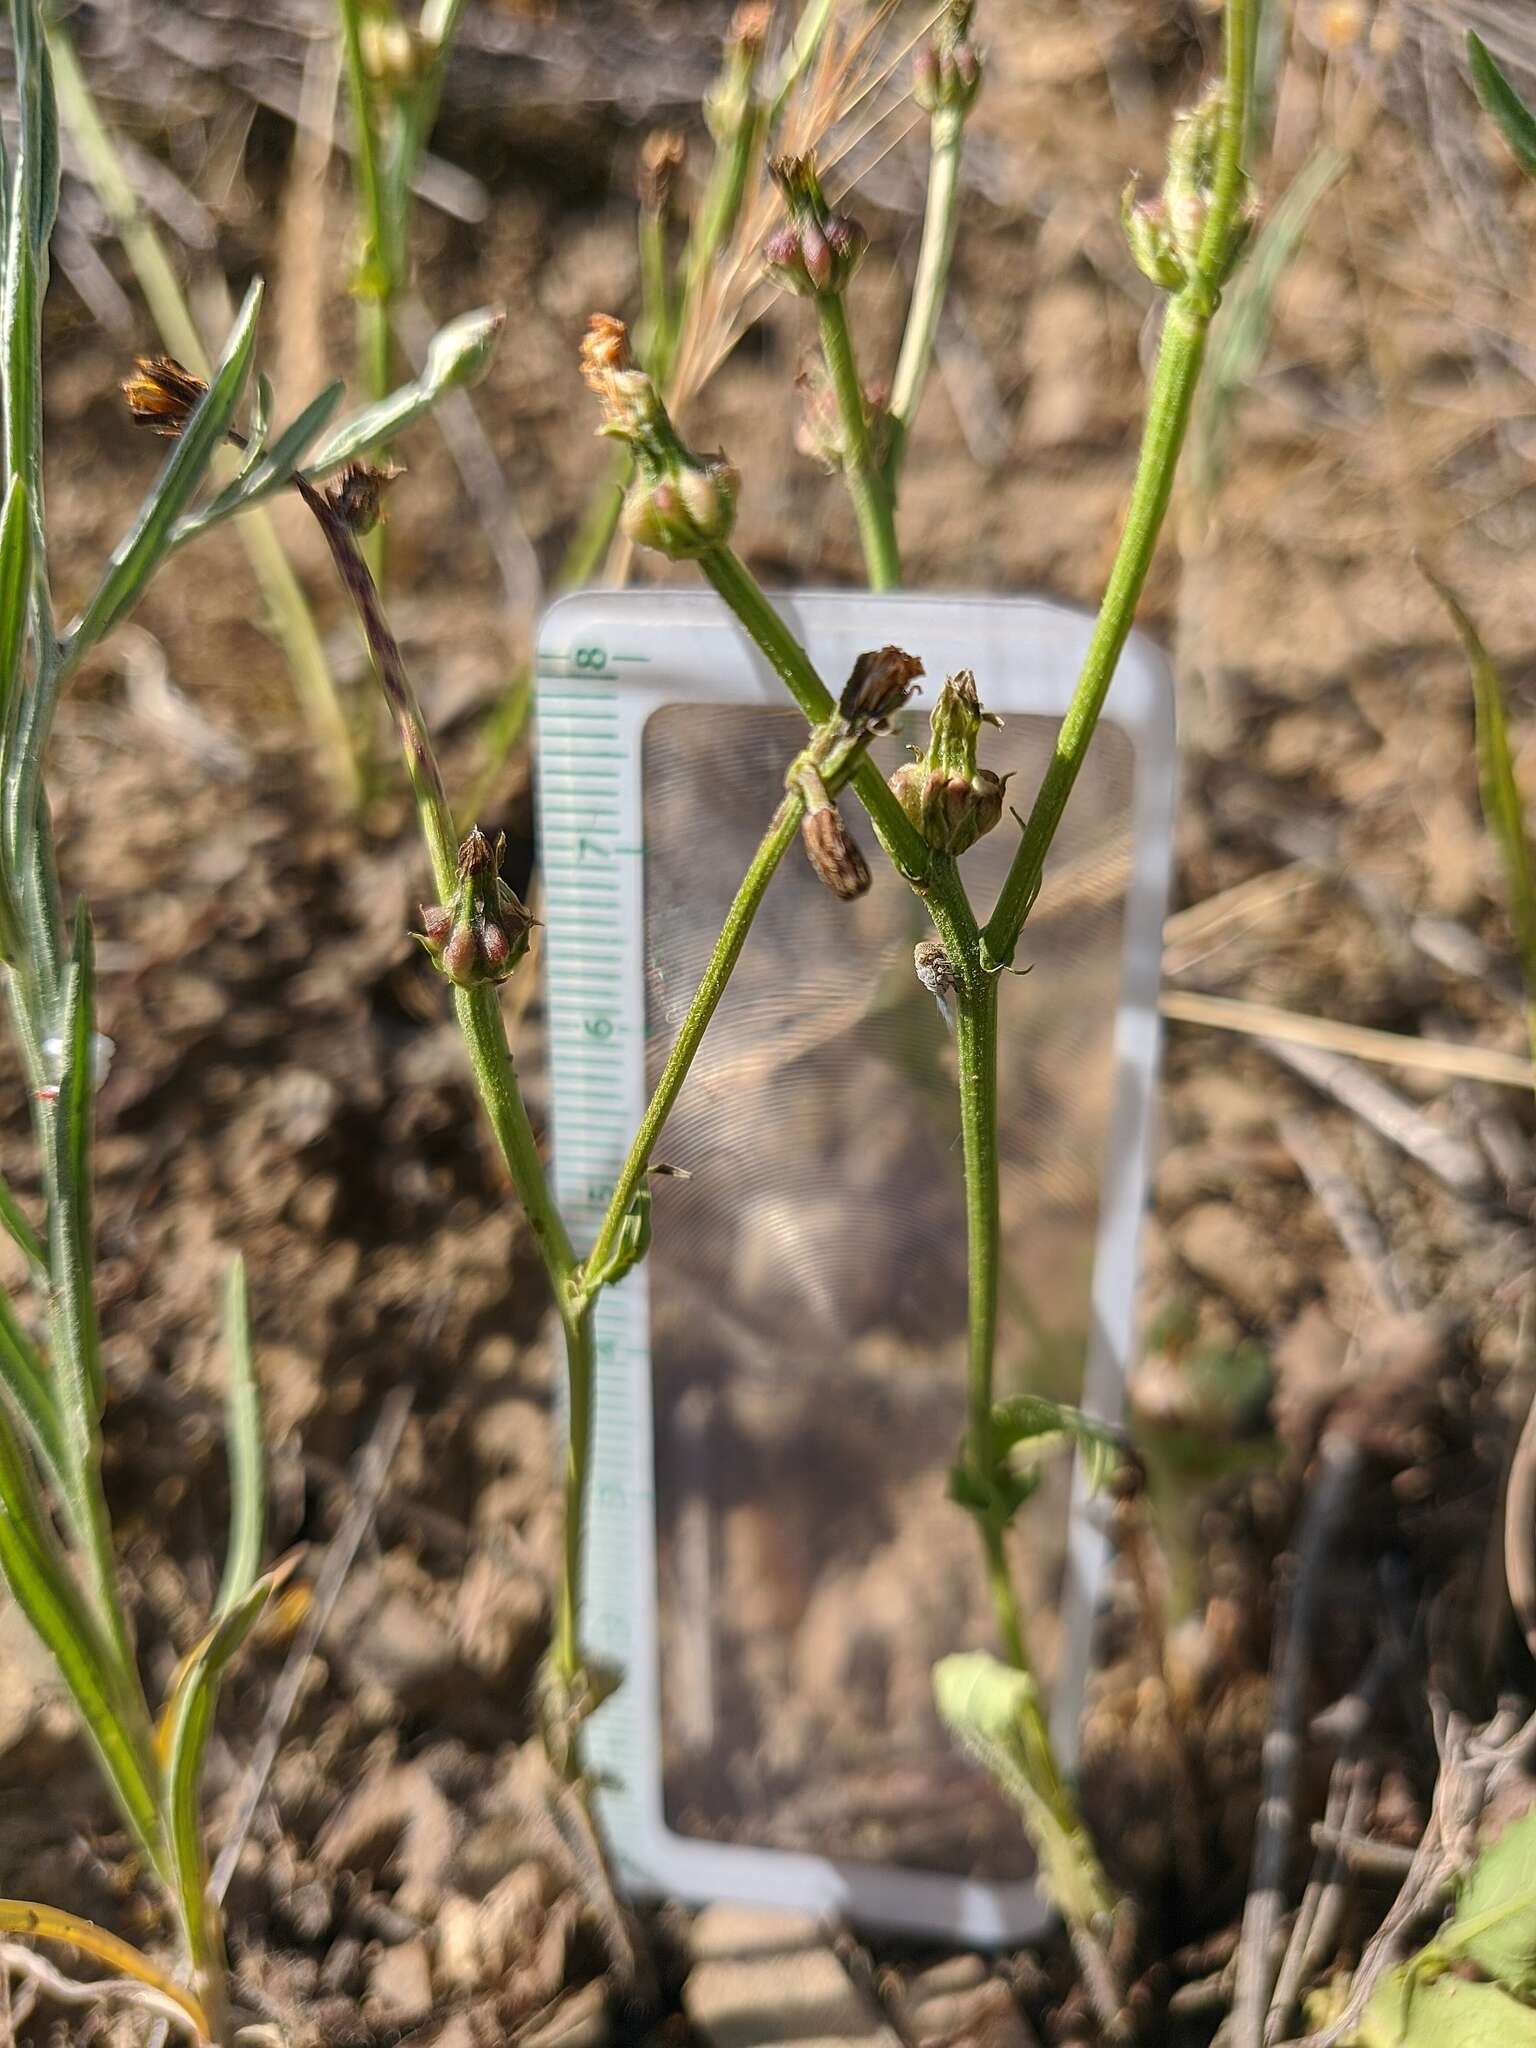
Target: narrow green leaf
<point x="1494" y="1923"/>
<point x="37" y="159"/>
<point x="15" y="611"/>
<point x="46" y="1593"/>
<point x="1503" y="809"/>
<point x="27" y="1381"/>
<point x="139" y="553"/>
<point x="183" y="1738"/>
<point x="242" y="1432"/>
<point x="271" y="470"/>
<point x="33" y="201"/>
<point x="1030" y="1419"/>
<point x="14" y="1222"/>
<point x="76" y="1338"/>
<point x="1503" y="105"/>
<point x="458" y="354"/>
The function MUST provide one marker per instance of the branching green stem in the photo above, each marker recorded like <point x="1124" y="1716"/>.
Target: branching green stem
<point x="866" y="485"/>
<point x="1180" y="356"/>
<point x="930" y="285"/>
<point x="775" y="844"/>
<point x="787" y="658"/>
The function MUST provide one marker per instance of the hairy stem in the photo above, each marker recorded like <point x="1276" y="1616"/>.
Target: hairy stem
<point x="1180" y="358"/>
<point x="929" y="286"/>
<point x="866" y="485"/>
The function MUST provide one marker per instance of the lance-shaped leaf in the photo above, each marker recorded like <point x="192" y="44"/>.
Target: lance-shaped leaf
<point x="22" y="1235"/>
<point x="269" y="472"/>
<point x="458" y="355"/>
<point x="71" y="1256"/>
<point x="1504" y="106"/>
<point x="16" y="556"/>
<point x="51" y="1923"/>
<point x="1030" y="1420"/>
<point x="1503" y="806"/>
<point x="139" y="554"/>
<point x="33" y="202"/>
<point x="28" y="1384"/>
<point x="45" y="1591"/>
<point x="242" y="1435"/>
<point x="183" y="1738"/>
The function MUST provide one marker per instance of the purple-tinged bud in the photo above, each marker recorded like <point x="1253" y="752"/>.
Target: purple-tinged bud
<point x="946" y="76"/>
<point x="817" y="251"/>
<point x="482" y="935"/>
<point x="880" y="684"/>
<point x="834" y="854"/>
<point x="685" y="513"/>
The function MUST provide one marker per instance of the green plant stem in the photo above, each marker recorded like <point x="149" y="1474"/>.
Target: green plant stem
<point x="480" y="1020"/>
<point x="1180" y="357"/>
<point x="287" y="609"/>
<point x="734" y="581"/>
<point x="929" y="285"/>
<point x="775" y="844"/>
<point x="866" y="486"/>
<point x="810" y="33"/>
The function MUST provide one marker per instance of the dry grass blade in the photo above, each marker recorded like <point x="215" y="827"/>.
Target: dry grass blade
<point x="1359" y="1041"/>
<point x="51" y="1923"/>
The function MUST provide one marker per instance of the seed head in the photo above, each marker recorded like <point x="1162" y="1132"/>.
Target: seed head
<point x="880" y="684"/>
<point x="834" y="854"/>
<point x="162" y="395"/>
<point x="357" y="495"/>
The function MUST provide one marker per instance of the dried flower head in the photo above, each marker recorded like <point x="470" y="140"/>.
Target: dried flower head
<point x="947" y="74"/>
<point x="661" y="158"/>
<point x="680" y="503"/>
<point x="162" y="395"/>
<point x="834" y="854"/>
<point x="750" y="25"/>
<point x="880" y="684"/>
<point x="357" y="495"/>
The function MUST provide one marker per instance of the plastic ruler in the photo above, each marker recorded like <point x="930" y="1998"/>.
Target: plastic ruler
<point x="606" y="662"/>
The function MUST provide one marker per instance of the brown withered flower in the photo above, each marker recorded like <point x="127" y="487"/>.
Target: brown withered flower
<point x="881" y="682"/>
<point x="834" y="854"/>
<point x="162" y="395"/>
<point x="661" y="158"/>
<point x="356" y="497"/>
<point x="605" y="351"/>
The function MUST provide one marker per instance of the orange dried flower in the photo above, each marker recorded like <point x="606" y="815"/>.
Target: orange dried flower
<point x="162" y="394"/>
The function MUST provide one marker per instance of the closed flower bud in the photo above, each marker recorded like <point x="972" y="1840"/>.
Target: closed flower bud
<point x="685" y="514"/>
<point x="482" y="935"/>
<point x="1145" y="222"/>
<point x="880" y="684"/>
<point x="834" y="854"/>
<point x="948" y="798"/>
<point x="1189" y="189"/>
<point x="816" y="251"/>
<point x="947" y="74"/>
<point x="460" y="353"/>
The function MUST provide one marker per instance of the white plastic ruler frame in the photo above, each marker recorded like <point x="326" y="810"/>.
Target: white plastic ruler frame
<point x="607" y="660"/>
